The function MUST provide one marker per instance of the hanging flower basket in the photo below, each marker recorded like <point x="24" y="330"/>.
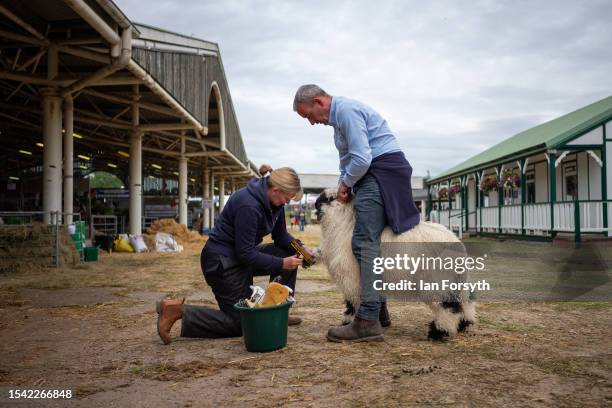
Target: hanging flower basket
<point x="510" y="180"/>
<point x="443" y="193"/>
<point x="453" y="190"/>
<point x="488" y="183"/>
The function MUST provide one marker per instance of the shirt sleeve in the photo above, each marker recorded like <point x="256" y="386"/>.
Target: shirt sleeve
<point x="245" y="243"/>
<point x="280" y="236"/>
<point x="353" y="126"/>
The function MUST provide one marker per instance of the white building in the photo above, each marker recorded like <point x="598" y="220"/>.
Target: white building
<point x="537" y="182"/>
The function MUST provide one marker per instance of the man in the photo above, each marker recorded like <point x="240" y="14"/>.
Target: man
<point x="373" y="166"/>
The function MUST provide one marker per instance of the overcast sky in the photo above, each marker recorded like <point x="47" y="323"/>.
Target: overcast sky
<point x="450" y="77"/>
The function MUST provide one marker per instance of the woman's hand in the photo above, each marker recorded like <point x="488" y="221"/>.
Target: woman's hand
<point x="311" y="251"/>
<point x="291" y="262"/>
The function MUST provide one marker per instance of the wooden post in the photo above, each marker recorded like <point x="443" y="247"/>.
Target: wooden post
<point x="500" y="199"/>
<point x="522" y="169"/>
<point x="552" y="189"/>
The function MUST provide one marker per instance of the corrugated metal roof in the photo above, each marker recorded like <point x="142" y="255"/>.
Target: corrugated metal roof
<point x="547" y="135"/>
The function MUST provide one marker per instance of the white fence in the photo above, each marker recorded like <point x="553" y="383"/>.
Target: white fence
<point x="489" y="218"/>
<point x="511" y="218"/>
<point x="535" y="218"/>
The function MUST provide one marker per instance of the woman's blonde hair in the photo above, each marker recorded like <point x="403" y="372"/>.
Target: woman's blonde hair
<point x="285" y="179"/>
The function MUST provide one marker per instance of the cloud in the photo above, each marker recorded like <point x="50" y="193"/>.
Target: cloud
<point x="451" y="79"/>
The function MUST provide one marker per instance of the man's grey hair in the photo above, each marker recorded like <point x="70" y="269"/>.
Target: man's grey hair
<point x="306" y="93"/>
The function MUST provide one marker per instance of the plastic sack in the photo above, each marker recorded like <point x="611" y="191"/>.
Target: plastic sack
<point x="166" y="243"/>
<point x="122" y="245"/>
<point x="138" y="243"/>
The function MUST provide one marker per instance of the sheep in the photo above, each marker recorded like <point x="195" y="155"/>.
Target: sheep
<point x="451" y="315"/>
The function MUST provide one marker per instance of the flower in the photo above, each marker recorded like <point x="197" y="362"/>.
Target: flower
<point x="443" y="193"/>
<point x="509" y="179"/>
<point x="488" y="183"/>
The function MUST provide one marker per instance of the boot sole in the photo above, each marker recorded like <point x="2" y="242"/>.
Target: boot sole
<point x="372" y="339"/>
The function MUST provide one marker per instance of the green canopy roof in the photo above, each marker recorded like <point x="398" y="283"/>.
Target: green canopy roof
<point x="547" y="135"/>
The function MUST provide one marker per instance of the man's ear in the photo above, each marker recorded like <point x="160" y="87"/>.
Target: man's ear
<point x="318" y="100"/>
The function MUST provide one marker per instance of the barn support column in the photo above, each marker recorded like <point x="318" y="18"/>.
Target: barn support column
<point x="135" y="170"/>
<point x="206" y="199"/>
<point x="52" y="153"/>
<point x="182" y="207"/>
<point x="212" y="201"/>
<point x="52" y="140"/>
<point x="68" y="157"/>
<point x="221" y="193"/>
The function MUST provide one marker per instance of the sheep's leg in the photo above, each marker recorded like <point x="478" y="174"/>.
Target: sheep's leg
<point x="349" y="313"/>
<point x="383" y="316"/>
<point x="445" y="323"/>
<point x="468" y="317"/>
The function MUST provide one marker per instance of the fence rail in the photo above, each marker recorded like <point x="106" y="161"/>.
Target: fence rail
<point x="594" y="217"/>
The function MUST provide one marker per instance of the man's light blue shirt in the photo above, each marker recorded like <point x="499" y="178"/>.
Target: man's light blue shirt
<point x="360" y="135"/>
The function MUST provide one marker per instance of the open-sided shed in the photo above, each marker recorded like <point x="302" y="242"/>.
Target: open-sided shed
<point x="82" y="89"/>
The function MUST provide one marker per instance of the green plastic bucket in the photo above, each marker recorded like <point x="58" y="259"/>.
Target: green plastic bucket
<point x="91" y="254"/>
<point x="264" y="329"/>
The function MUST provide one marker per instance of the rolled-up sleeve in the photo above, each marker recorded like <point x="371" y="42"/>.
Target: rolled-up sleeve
<point x="352" y="124"/>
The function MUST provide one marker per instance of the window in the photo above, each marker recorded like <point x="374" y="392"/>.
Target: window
<point x="530" y="187"/>
<point x="570" y="184"/>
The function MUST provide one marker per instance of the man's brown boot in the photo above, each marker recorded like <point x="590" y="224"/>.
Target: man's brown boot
<point x="383" y="316"/>
<point x="359" y="330"/>
<point x="168" y="312"/>
<point x="293" y="321"/>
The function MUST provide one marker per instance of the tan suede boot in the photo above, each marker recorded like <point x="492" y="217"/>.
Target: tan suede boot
<point x="168" y="312"/>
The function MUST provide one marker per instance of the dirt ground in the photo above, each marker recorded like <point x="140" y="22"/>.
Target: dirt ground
<point x="91" y="329"/>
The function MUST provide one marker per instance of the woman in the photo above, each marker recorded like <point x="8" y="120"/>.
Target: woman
<point x="234" y="254"/>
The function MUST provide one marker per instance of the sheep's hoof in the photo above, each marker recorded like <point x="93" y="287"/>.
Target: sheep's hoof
<point x="464" y="325"/>
<point x="437" y="334"/>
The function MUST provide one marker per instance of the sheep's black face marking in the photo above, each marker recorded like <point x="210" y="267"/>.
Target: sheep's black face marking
<point x="324" y="199"/>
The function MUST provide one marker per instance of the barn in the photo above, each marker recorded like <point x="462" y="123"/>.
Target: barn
<point x="83" y="89"/>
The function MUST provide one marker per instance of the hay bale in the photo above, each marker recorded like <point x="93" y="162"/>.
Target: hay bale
<point x="26" y="245"/>
<point x="183" y="236"/>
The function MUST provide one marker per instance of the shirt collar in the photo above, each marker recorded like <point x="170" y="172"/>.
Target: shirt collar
<point x="331" y="121"/>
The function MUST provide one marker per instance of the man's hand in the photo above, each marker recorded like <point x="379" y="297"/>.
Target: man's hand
<point x="344" y="192"/>
<point x="291" y="262"/>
